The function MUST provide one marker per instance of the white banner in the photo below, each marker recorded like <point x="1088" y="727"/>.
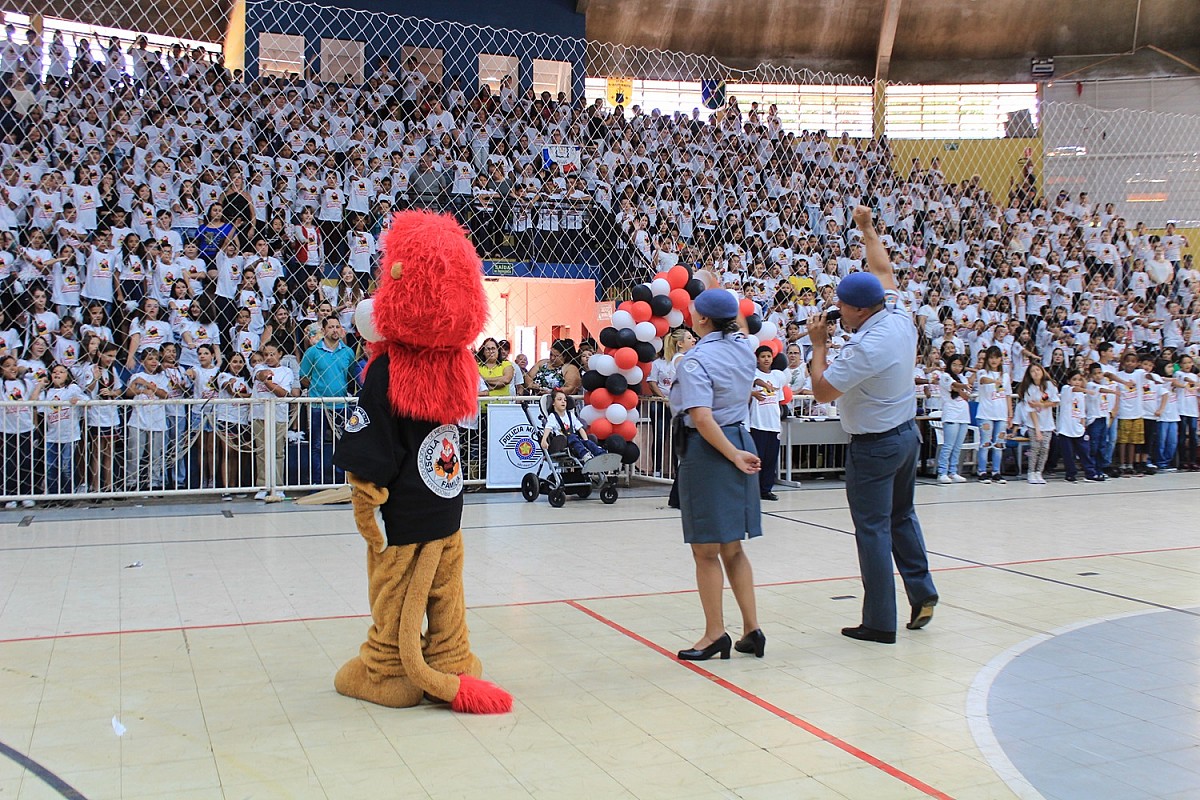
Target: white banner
<point x="513" y="446"/>
<point x="569" y="157"/>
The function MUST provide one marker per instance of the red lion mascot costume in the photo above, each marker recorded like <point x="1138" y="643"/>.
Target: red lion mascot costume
<point x="400" y="453"/>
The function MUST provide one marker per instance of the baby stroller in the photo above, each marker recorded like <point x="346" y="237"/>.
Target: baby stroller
<point x="559" y="471"/>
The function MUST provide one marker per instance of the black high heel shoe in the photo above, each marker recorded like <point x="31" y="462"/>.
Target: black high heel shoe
<point x="753" y="642"/>
<point x="721" y="645"/>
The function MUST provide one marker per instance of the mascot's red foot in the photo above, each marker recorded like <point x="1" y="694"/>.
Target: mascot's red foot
<point x="477" y="696"/>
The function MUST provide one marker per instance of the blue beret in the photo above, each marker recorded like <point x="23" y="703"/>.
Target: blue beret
<point x="861" y="290"/>
<point x="716" y="304"/>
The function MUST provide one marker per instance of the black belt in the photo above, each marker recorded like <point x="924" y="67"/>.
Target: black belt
<point x="871" y="437"/>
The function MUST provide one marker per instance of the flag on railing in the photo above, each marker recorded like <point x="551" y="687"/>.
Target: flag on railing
<point x="567" y="156"/>
<point x="712" y="92"/>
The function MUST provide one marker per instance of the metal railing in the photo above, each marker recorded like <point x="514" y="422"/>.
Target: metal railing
<point x="99" y="449"/>
<point x="136" y="448"/>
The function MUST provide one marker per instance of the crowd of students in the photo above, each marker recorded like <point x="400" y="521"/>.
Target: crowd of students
<point x="160" y="216"/>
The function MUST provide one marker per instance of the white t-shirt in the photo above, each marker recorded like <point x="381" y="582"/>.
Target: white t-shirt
<point x="1131" y="398"/>
<point x="62" y="422"/>
<point x="764" y="413"/>
<point x="281" y="376"/>
<point x="993" y="397"/>
<point x="1072" y="412"/>
<point x="954" y="409"/>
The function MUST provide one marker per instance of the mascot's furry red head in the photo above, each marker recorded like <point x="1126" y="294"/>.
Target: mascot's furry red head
<point x="428" y="310"/>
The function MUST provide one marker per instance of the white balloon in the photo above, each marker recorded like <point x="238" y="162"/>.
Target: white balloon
<point x="363" y="321"/>
<point x="754" y="340"/>
<point x="621" y="320"/>
<point x="589" y="414"/>
<point x="769" y="331"/>
<point x="644" y="331"/>
<point x="657" y="344"/>
<point x="660" y="286"/>
<point x="675" y="318"/>
<point x="616" y="413"/>
<point x="603" y="363"/>
<point x="633" y="376"/>
<point x="632" y="415"/>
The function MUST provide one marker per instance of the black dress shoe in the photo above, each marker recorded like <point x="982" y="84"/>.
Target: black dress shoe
<point x="769" y="496"/>
<point x="865" y="634"/>
<point x="922" y="614"/>
<point x="721" y="645"/>
<point x="753" y="642"/>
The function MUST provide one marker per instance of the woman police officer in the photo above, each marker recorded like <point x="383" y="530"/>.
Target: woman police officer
<point x="718" y="487"/>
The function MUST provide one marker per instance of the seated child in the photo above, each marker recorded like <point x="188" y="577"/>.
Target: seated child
<point x="565" y="422"/>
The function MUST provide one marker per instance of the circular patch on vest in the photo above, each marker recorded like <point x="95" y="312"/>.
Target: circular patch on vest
<point x="357" y="421"/>
<point x="438" y="462"/>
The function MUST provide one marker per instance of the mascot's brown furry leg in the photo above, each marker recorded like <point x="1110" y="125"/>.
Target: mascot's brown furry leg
<point x="447" y="646"/>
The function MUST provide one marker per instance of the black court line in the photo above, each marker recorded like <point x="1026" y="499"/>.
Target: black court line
<point x="1011" y="571"/>
<point x="47" y="777"/>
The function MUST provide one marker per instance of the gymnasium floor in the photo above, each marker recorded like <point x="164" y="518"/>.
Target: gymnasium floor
<point x="1063" y="661"/>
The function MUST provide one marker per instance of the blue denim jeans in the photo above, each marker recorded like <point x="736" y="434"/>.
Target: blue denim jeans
<point x="1187" y="440"/>
<point x="60" y="467"/>
<point x="953" y="436"/>
<point x="991" y="446"/>
<point x="1096" y="447"/>
<point x="1168" y="440"/>
<point x="880" y="476"/>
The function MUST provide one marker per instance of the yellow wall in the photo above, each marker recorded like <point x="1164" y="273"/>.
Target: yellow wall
<point x="993" y="160"/>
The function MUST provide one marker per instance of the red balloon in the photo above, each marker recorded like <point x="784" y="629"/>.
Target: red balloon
<point x="687" y="315"/>
<point x="746" y="307"/>
<point x="646" y="370"/>
<point x="775" y="345"/>
<point x="641" y="311"/>
<point x="677" y="276"/>
<point x="626" y="430"/>
<point x="601" y="399"/>
<point x="626" y="358"/>
<point x="628" y="398"/>
<point x="680" y="299"/>
<point x="601" y="429"/>
<point x="788" y="396"/>
<point x="626" y="306"/>
<point x="661" y="327"/>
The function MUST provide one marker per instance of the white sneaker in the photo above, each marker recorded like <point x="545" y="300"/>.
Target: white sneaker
<point x="956" y="478"/>
<point x="278" y="495"/>
<point x="11" y="504"/>
<point x="81" y="488"/>
<point x="27" y="504"/>
<point x="1041" y="480"/>
<point x="1031" y="478"/>
<point x="261" y="495"/>
<point x="944" y="479"/>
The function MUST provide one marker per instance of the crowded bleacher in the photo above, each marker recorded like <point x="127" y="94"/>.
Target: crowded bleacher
<point x="171" y="231"/>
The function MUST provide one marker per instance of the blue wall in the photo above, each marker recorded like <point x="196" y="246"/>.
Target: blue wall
<point x="527" y="29"/>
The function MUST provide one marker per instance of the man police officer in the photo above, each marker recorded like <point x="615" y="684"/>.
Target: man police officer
<point x="871" y="379"/>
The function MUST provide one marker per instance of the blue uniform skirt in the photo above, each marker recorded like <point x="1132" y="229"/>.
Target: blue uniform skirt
<point x="719" y="503"/>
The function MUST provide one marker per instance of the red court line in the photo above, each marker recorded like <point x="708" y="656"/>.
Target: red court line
<point x="524" y="603"/>
<point x="820" y="733"/>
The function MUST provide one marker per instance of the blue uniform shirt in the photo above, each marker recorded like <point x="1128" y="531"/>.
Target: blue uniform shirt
<point x="717" y="373"/>
<point x="874" y="371"/>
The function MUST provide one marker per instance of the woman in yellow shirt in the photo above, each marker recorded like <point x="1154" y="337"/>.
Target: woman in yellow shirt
<point x="496" y="374"/>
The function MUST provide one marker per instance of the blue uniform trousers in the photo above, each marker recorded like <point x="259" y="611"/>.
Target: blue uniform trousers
<point x="880" y="477"/>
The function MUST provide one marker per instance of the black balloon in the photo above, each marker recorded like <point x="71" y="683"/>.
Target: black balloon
<point x="754" y="324"/>
<point x="779" y="362"/>
<point x="615" y="444"/>
<point x="642" y="293"/>
<point x="690" y="271"/>
<point x="694" y="287"/>
<point x="645" y="351"/>
<point x="610" y="337"/>
<point x="632" y="453"/>
<point x="626" y="338"/>
<point x="592" y="380"/>
<point x="661" y="305"/>
<point x="616" y="384"/>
